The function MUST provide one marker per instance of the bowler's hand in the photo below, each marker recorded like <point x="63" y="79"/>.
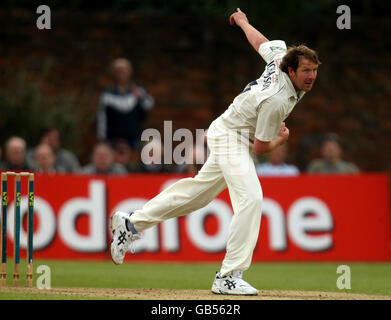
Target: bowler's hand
<point x="238" y="18"/>
<point x="284" y="132"/>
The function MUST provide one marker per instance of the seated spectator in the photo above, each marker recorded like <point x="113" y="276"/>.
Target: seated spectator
<point x="123" y="155"/>
<point x="45" y="160"/>
<point x="123" y="107"/>
<point x="103" y="161"/>
<point x="65" y="159"/>
<point x="276" y="165"/>
<point x="15" y="152"/>
<point x="331" y="162"/>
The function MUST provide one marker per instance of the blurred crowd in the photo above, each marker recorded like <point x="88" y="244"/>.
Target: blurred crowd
<point x="51" y="158"/>
<point x="120" y="158"/>
<point x="330" y="160"/>
<point x="121" y="114"/>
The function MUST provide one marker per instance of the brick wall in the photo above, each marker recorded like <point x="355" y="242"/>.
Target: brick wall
<point x="194" y="67"/>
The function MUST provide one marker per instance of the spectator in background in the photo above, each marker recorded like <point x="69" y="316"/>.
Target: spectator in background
<point x="123" y="107"/>
<point x="65" y="159"/>
<point x="45" y="160"/>
<point x="15" y="153"/>
<point x="276" y="165"/>
<point x="103" y="161"/>
<point x="123" y="155"/>
<point x="331" y="162"/>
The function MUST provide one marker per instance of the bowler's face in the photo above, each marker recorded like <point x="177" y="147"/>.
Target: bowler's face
<point x="305" y="75"/>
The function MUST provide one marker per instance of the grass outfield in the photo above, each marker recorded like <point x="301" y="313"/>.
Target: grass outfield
<point x="366" y="278"/>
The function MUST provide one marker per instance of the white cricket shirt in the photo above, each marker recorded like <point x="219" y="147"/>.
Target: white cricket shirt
<point x="265" y="103"/>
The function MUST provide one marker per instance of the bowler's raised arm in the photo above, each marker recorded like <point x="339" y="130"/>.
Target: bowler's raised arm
<point x="254" y="37"/>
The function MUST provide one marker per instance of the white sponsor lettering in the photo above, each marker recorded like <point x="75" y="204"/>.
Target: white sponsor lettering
<point x="93" y="206"/>
<point x="45" y="217"/>
<point x="196" y="231"/>
<point x="307" y="224"/>
<point x="299" y="224"/>
<point x="276" y="219"/>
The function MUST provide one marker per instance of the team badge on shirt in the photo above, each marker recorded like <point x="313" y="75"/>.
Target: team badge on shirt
<point x="275" y="48"/>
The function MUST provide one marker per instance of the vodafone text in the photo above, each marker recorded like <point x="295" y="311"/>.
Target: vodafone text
<point x="294" y="224"/>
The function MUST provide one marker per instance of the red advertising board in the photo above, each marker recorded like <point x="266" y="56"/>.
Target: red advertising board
<point x="305" y="218"/>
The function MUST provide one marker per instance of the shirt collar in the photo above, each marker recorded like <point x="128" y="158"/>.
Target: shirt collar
<point x="291" y="89"/>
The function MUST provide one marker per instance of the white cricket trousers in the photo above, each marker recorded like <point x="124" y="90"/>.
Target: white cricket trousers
<point x="229" y="164"/>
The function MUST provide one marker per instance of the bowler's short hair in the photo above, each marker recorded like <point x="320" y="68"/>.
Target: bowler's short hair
<point x="292" y="57"/>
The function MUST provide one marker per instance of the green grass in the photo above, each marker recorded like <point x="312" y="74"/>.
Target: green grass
<point x="367" y="278"/>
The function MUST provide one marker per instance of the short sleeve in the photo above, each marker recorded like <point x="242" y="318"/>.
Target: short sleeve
<point x="272" y="49"/>
<point x="269" y="121"/>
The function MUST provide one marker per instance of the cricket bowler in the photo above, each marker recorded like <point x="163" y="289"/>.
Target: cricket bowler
<point x="254" y="122"/>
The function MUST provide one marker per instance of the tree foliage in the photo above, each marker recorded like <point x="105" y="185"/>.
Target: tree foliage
<point x="27" y="110"/>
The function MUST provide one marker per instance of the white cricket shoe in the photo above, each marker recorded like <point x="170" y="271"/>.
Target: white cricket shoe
<point x="124" y="234"/>
<point x="233" y="284"/>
